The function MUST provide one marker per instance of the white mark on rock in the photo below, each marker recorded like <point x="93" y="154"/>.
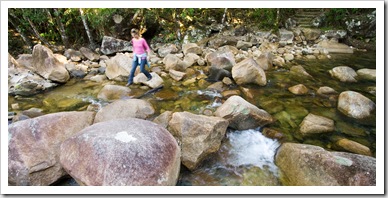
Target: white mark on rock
<point x="124" y="137"/>
<point x="161" y="180"/>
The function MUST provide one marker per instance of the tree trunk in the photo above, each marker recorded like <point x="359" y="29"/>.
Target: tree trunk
<point x="36" y="32"/>
<point x="25" y="38"/>
<point x="92" y="45"/>
<point x="178" y="28"/>
<point x="135" y="15"/>
<point x="277" y="17"/>
<point x="61" y="28"/>
<point x="224" y="16"/>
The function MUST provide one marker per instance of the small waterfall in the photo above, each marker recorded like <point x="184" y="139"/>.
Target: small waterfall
<point x="250" y="147"/>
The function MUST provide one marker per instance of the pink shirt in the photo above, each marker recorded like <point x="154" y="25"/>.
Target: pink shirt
<point x="140" y="46"/>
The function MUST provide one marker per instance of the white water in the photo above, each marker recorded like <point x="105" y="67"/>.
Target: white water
<point x="212" y="94"/>
<point x="250" y="147"/>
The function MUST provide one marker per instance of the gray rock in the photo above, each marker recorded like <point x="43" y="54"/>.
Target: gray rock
<point x="307" y="165"/>
<point x="355" y="105"/>
<point x="332" y="46"/>
<point x="112" y="45"/>
<point x="125" y="152"/>
<point x="326" y="90"/>
<point x="243" y="115"/>
<point x="22" y="81"/>
<point x="311" y="34"/>
<point x="313" y="124"/>
<point x="367" y="74"/>
<point x="191" y="48"/>
<point x="249" y="72"/>
<point x="120" y="109"/>
<point x="221" y="59"/>
<point x="168" y="49"/>
<point x="199" y="136"/>
<point x="89" y="54"/>
<point x="33" y="146"/>
<point x="298" y="89"/>
<point x="344" y="74"/>
<point x="113" y="92"/>
<point x="176" y="75"/>
<point x="286" y="36"/>
<point x="118" y="67"/>
<point x="47" y="65"/>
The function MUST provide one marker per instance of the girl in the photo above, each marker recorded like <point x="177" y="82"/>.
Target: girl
<point x="139" y="55"/>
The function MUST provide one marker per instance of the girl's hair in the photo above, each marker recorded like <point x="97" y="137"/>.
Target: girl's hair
<point x="135" y="31"/>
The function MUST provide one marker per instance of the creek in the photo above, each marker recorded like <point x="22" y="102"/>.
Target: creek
<point x="245" y="157"/>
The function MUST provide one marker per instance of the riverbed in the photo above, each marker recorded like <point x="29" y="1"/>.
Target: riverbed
<point x="245" y="157"/>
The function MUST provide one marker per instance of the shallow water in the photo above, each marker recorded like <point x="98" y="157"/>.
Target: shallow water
<point x="245" y="157"/>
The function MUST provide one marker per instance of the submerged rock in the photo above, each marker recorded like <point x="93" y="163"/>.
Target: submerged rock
<point x="307" y="165"/>
<point x="313" y="124"/>
<point x="113" y="92"/>
<point x="298" y="89"/>
<point x="125" y="152"/>
<point x="352" y="146"/>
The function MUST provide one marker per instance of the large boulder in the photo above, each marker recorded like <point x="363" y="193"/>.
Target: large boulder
<point x="249" y="72"/>
<point x="47" y="65"/>
<point x="33" y="146"/>
<point x="112" y="45"/>
<point x="199" y="136"/>
<point x="221" y="59"/>
<point x="313" y="124"/>
<point x="22" y="81"/>
<point x="307" y="165"/>
<point x="113" y="92"/>
<point x="125" y="152"/>
<point x="355" y="105"/>
<point x="333" y="46"/>
<point x="243" y="115"/>
<point x="118" y="67"/>
<point x="130" y="108"/>
<point x="344" y="74"/>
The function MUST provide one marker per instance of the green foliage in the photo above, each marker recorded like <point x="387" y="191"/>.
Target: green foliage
<point x="335" y="17"/>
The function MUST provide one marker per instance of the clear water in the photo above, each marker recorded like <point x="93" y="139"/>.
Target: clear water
<point x="245" y="157"/>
